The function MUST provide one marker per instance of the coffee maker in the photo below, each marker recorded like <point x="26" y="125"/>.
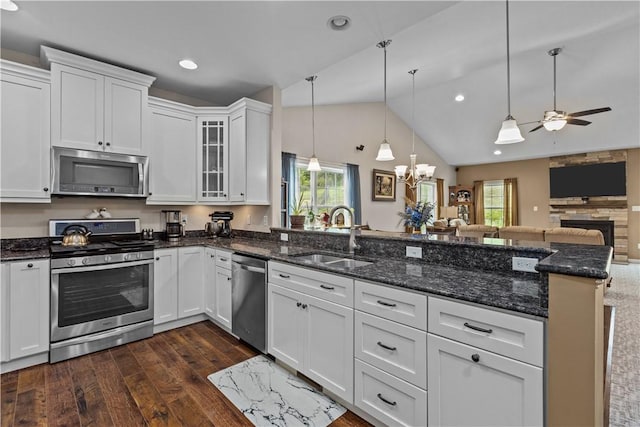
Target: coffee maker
<point x="174" y="228"/>
<point x="224" y="221"/>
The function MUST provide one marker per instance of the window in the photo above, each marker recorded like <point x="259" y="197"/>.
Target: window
<point x="494" y="203"/>
<point x="322" y="190"/>
<point x="427" y="193"/>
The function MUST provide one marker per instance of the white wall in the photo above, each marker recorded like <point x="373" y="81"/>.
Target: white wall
<point x="339" y="129"/>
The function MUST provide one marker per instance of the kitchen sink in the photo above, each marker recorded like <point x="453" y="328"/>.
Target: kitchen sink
<point x="332" y="260"/>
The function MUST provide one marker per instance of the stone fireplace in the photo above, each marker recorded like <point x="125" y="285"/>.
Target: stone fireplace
<point x="608" y="212"/>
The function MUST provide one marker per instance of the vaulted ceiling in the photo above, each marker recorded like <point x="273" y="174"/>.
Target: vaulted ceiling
<point x="458" y="47"/>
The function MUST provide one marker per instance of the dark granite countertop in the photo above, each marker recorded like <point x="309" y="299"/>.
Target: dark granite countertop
<point x="578" y="260"/>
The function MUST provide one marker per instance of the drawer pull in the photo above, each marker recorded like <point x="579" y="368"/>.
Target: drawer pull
<point x="386" y="346"/>
<point x="477" y="328"/>
<point x="224" y="259"/>
<point x="388" y="402"/>
<point x="30" y="265"/>
<point x="284" y="276"/>
<point x="327" y="287"/>
<point x="475" y="357"/>
<point x="386" y="304"/>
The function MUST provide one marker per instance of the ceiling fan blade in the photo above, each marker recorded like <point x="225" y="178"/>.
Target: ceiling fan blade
<point x="587" y="112"/>
<point x="535" y="128"/>
<point x="571" y="121"/>
<point x="528" y="123"/>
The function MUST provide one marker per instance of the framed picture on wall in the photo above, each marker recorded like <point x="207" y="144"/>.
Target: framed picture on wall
<point x="384" y="186"/>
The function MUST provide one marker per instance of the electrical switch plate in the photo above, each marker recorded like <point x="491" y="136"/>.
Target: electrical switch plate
<point x="248" y="219"/>
<point x="414" y="252"/>
<point x="284" y="237"/>
<point x="524" y="264"/>
<point x="535" y="209"/>
<point x="635" y="208"/>
<point x="265" y="220"/>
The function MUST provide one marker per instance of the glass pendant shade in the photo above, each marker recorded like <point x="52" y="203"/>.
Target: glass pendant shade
<point x="509" y="132"/>
<point x="401" y="171"/>
<point x="384" y="152"/>
<point x="314" y="165"/>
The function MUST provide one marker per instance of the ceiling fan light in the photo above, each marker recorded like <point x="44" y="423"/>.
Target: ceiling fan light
<point x="509" y="132"/>
<point x="552" y="125"/>
<point x="384" y="152"/>
<point x="314" y="165"/>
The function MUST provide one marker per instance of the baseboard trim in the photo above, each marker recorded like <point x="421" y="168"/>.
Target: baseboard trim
<point x="163" y="327"/>
<point x="634" y="261"/>
<point x="24" y="362"/>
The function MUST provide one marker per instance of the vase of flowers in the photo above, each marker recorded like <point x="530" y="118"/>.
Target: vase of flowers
<point x="416" y="215"/>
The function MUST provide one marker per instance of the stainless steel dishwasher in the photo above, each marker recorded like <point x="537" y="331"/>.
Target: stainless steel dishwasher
<point x="249" y="300"/>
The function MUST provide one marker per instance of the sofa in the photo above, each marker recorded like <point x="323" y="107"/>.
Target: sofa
<point x="522" y="232"/>
<point x="574" y="235"/>
<point x="477" y="230"/>
<point x="526" y="233"/>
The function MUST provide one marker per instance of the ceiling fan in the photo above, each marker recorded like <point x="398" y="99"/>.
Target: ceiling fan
<point x="555" y="119"/>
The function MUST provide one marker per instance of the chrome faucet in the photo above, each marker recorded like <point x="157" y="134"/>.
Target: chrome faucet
<point x="352" y="231"/>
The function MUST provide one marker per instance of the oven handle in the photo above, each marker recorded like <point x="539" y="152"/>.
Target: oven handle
<point x="101" y="267"/>
<point x="100" y="335"/>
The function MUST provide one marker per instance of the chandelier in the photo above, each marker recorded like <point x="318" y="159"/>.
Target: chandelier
<point x="417" y="173"/>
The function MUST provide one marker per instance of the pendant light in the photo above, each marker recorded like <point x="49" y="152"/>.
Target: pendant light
<point x="509" y="132"/>
<point x="417" y="173"/>
<point x="314" y="165"/>
<point x="384" y="152"/>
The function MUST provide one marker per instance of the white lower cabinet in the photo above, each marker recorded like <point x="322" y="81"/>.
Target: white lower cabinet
<point x="178" y="283"/>
<point x="223" y="286"/>
<point x="313" y="336"/>
<point x="472" y="387"/>
<point x="25" y="308"/>
<point x="210" y="282"/>
<point x="387" y="398"/>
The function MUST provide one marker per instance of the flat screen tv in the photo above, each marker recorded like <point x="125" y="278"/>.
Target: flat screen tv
<point x="600" y="179"/>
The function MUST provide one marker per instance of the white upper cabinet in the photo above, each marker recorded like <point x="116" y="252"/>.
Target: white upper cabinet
<point x="25" y="127"/>
<point x="249" y="152"/>
<point x="213" y="158"/>
<point x="97" y="106"/>
<point x="172" y="154"/>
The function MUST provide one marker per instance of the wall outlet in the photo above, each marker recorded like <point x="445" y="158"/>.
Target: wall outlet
<point x="638" y="245"/>
<point x="185" y="218"/>
<point x="265" y="220"/>
<point x="248" y="219"/>
<point x="284" y="237"/>
<point x="414" y="252"/>
<point x="535" y="209"/>
<point x="635" y="208"/>
<point x="524" y="264"/>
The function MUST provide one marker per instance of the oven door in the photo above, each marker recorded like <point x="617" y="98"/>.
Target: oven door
<point x="85" y="300"/>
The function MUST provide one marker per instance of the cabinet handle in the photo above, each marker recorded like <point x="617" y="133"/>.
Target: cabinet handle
<point x="108" y="144"/>
<point x="477" y="328"/>
<point x="388" y="402"/>
<point x="284" y="276"/>
<point x="386" y="346"/>
<point x="29" y="265"/>
<point x="212" y="256"/>
<point x="228" y="278"/>
<point x="327" y="287"/>
<point x="298" y="304"/>
<point x="304" y="306"/>
<point x="242" y="194"/>
<point x="475" y="357"/>
<point x="157" y="258"/>
<point x="99" y="142"/>
<point x="386" y="304"/>
<point x="150" y="193"/>
<point x="45" y="189"/>
<point x="223" y="259"/>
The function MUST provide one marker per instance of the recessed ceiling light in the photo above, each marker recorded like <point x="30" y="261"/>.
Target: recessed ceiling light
<point x="188" y="64"/>
<point x="8" y="5"/>
<point x="497" y="152"/>
<point x="339" y="22"/>
<point x="459" y="97"/>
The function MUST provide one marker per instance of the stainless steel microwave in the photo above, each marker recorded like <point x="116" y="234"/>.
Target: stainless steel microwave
<point x="95" y="173"/>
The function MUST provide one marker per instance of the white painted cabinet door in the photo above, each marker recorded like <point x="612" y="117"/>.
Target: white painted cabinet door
<point x="472" y="387"/>
<point x="29" y="308"/>
<point x="172" y="162"/>
<point x="213" y="159"/>
<point x="77" y="108"/>
<point x="258" y="130"/>
<point x="5" y="305"/>
<point x="190" y="281"/>
<point x="285" y="330"/>
<point x="125" y="108"/>
<point x="237" y="156"/>
<point x="210" y="282"/>
<point x="26" y="133"/>
<point x="328" y="341"/>
<point x="165" y="286"/>
<point x="223" y="297"/>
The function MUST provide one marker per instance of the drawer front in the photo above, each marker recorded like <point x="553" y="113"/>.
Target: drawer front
<point x="387" y="398"/>
<point x="510" y="335"/>
<point x="223" y="259"/>
<point x="392" y="347"/>
<point x="329" y="287"/>
<point x="394" y="304"/>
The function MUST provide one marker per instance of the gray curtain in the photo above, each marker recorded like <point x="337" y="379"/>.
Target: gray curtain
<point x="353" y="191"/>
<point x="289" y="176"/>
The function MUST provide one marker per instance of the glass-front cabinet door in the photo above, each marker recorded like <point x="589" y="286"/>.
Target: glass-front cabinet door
<point x="213" y="158"/>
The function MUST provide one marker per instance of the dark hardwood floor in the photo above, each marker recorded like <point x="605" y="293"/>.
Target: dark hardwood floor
<point x="157" y="381"/>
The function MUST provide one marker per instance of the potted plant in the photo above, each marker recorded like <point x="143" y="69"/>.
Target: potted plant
<point x="297" y="216"/>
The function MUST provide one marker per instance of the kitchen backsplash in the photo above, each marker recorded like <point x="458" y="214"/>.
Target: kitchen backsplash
<point x="31" y="220"/>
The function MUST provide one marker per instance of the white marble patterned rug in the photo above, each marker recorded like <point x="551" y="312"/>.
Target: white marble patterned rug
<point x="269" y="395"/>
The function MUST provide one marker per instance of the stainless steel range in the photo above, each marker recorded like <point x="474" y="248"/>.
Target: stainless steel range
<point x="102" y="292"/>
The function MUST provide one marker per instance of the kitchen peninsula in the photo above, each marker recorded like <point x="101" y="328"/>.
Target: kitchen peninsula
<point x="564" y="296"/>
